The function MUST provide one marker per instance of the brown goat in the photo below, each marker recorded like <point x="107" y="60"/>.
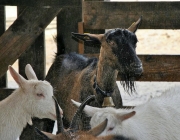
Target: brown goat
<point x="71" y="134"/>
<point x="75" y="76"/>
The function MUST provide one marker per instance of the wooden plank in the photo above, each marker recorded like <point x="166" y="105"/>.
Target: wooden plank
<point x="158" y="67"/>
<point x="3" y="79"/>
<point x="39" y="3"/>
<point x="22" y="33"/>
<point x="35" y="55"/>
<point x="80" y="44"/>
<point x="90" y="49"/>
<point x="4" y="92"/>
<point x="106" y="15"/>
<point x="67" y="21"/>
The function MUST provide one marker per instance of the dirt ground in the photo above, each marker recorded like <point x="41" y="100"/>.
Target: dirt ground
<point x="149" y="42"/>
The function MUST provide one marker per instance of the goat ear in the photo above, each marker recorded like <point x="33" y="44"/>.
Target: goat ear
<point x="89" y="39"/>
<point x="135" y="25"/>
<point x="30" y="72"/>
<point x="17" y="77"/>
<point x="127" y="116"/>
<point x="98" y="129"/>
<point x="49" y="135"/>
<point x="89" y="110"/>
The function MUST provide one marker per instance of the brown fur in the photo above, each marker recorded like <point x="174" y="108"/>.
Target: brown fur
<point x="84" y="136"/>
<point x="72" y="75"/>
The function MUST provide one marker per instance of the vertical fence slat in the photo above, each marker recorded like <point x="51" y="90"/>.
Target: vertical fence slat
<point x="3" y="79"/>
<point x="35" y="56"/>
<point x="67" y="21"/>
<point x="80" y="44"/>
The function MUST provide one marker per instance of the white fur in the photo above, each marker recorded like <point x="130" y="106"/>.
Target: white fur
<point x="33" y="98"/>
<point x="158" y="119"/>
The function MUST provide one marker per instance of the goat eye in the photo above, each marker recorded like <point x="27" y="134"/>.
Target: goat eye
<point x="111" y="128"/>
<point x="40" y="95"/>
<point x="111" y="42"/>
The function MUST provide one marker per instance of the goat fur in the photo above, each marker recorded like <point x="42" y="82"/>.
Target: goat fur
<point x="158" y="119"/>
<point x="33" y="98"/>
<point x="84" y="136"/>
<point x="72" y="75"/>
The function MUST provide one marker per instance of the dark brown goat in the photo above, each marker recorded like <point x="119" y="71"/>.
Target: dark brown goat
<point x="75" y="76"/>
<point x="71" y="133"/>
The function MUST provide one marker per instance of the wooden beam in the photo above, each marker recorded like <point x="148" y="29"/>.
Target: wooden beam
<point x="164" y="68"/>
<point x="23" y="32"/>
<point x="3" y="79"/>
<point x="5" y="92"/>
<point x="35" y="55"/>
<point x="40" y="3"/>
<point x="107" y="15"/>
<point x="80" y="44"/>
<point x="67" y="21"/>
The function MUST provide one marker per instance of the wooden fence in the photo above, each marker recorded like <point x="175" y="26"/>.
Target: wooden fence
<point x="84" y="16"/>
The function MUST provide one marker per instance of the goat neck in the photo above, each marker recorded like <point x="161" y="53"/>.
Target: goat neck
<point x="19" y="117"/>
<point x="106" y="73"/>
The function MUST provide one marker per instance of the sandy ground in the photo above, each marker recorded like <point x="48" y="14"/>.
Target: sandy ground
<point x="150" y="42"/>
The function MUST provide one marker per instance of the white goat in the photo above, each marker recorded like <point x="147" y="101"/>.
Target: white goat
<point x="158" y="119"/>
<point x="33" y="98"/>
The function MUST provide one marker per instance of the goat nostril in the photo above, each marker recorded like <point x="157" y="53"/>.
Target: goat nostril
<point x="136" y="65"/>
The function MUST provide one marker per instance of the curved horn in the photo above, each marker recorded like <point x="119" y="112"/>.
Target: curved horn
<point x="135" y="25"/>
<point x="60" y="127"/>
<point x="42" y="135"/>
<point x="98" y="129"/>
<point x="73" y="125"/>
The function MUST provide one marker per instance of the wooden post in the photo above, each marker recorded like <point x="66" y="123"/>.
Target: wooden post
<point x="3" y="79"/>
<point x="90" y="49"/>
<point x="66" y="23"/>
<point x="80" y="44"/>
<point x="35" y="56"/>
<point x="23" y="32"/>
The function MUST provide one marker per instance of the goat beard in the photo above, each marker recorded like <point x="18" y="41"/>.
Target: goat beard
<point x="128" y="82"/>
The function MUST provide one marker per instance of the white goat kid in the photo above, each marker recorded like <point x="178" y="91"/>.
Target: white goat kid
<point x="158" y="119"/>
<point x="33" y="98"/>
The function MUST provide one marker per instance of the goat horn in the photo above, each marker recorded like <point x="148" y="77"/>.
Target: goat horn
<point x="98" y="129"/>
<point x="73" y="125"/>
<point x="60" y="127"/>
<point x="42" y="135"/>
<point x="135" y="25"/>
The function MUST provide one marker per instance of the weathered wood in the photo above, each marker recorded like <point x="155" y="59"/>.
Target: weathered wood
<point x="3" y="79"/>
<point x="106" y="15"/>
<point x="158" y="67"/>
<point x="22" y="33"/>
<point x="67" y="21"/>
<point x="40" y="3"/>
<point x="80" y="44"/>
<point x="35" y="56"/>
